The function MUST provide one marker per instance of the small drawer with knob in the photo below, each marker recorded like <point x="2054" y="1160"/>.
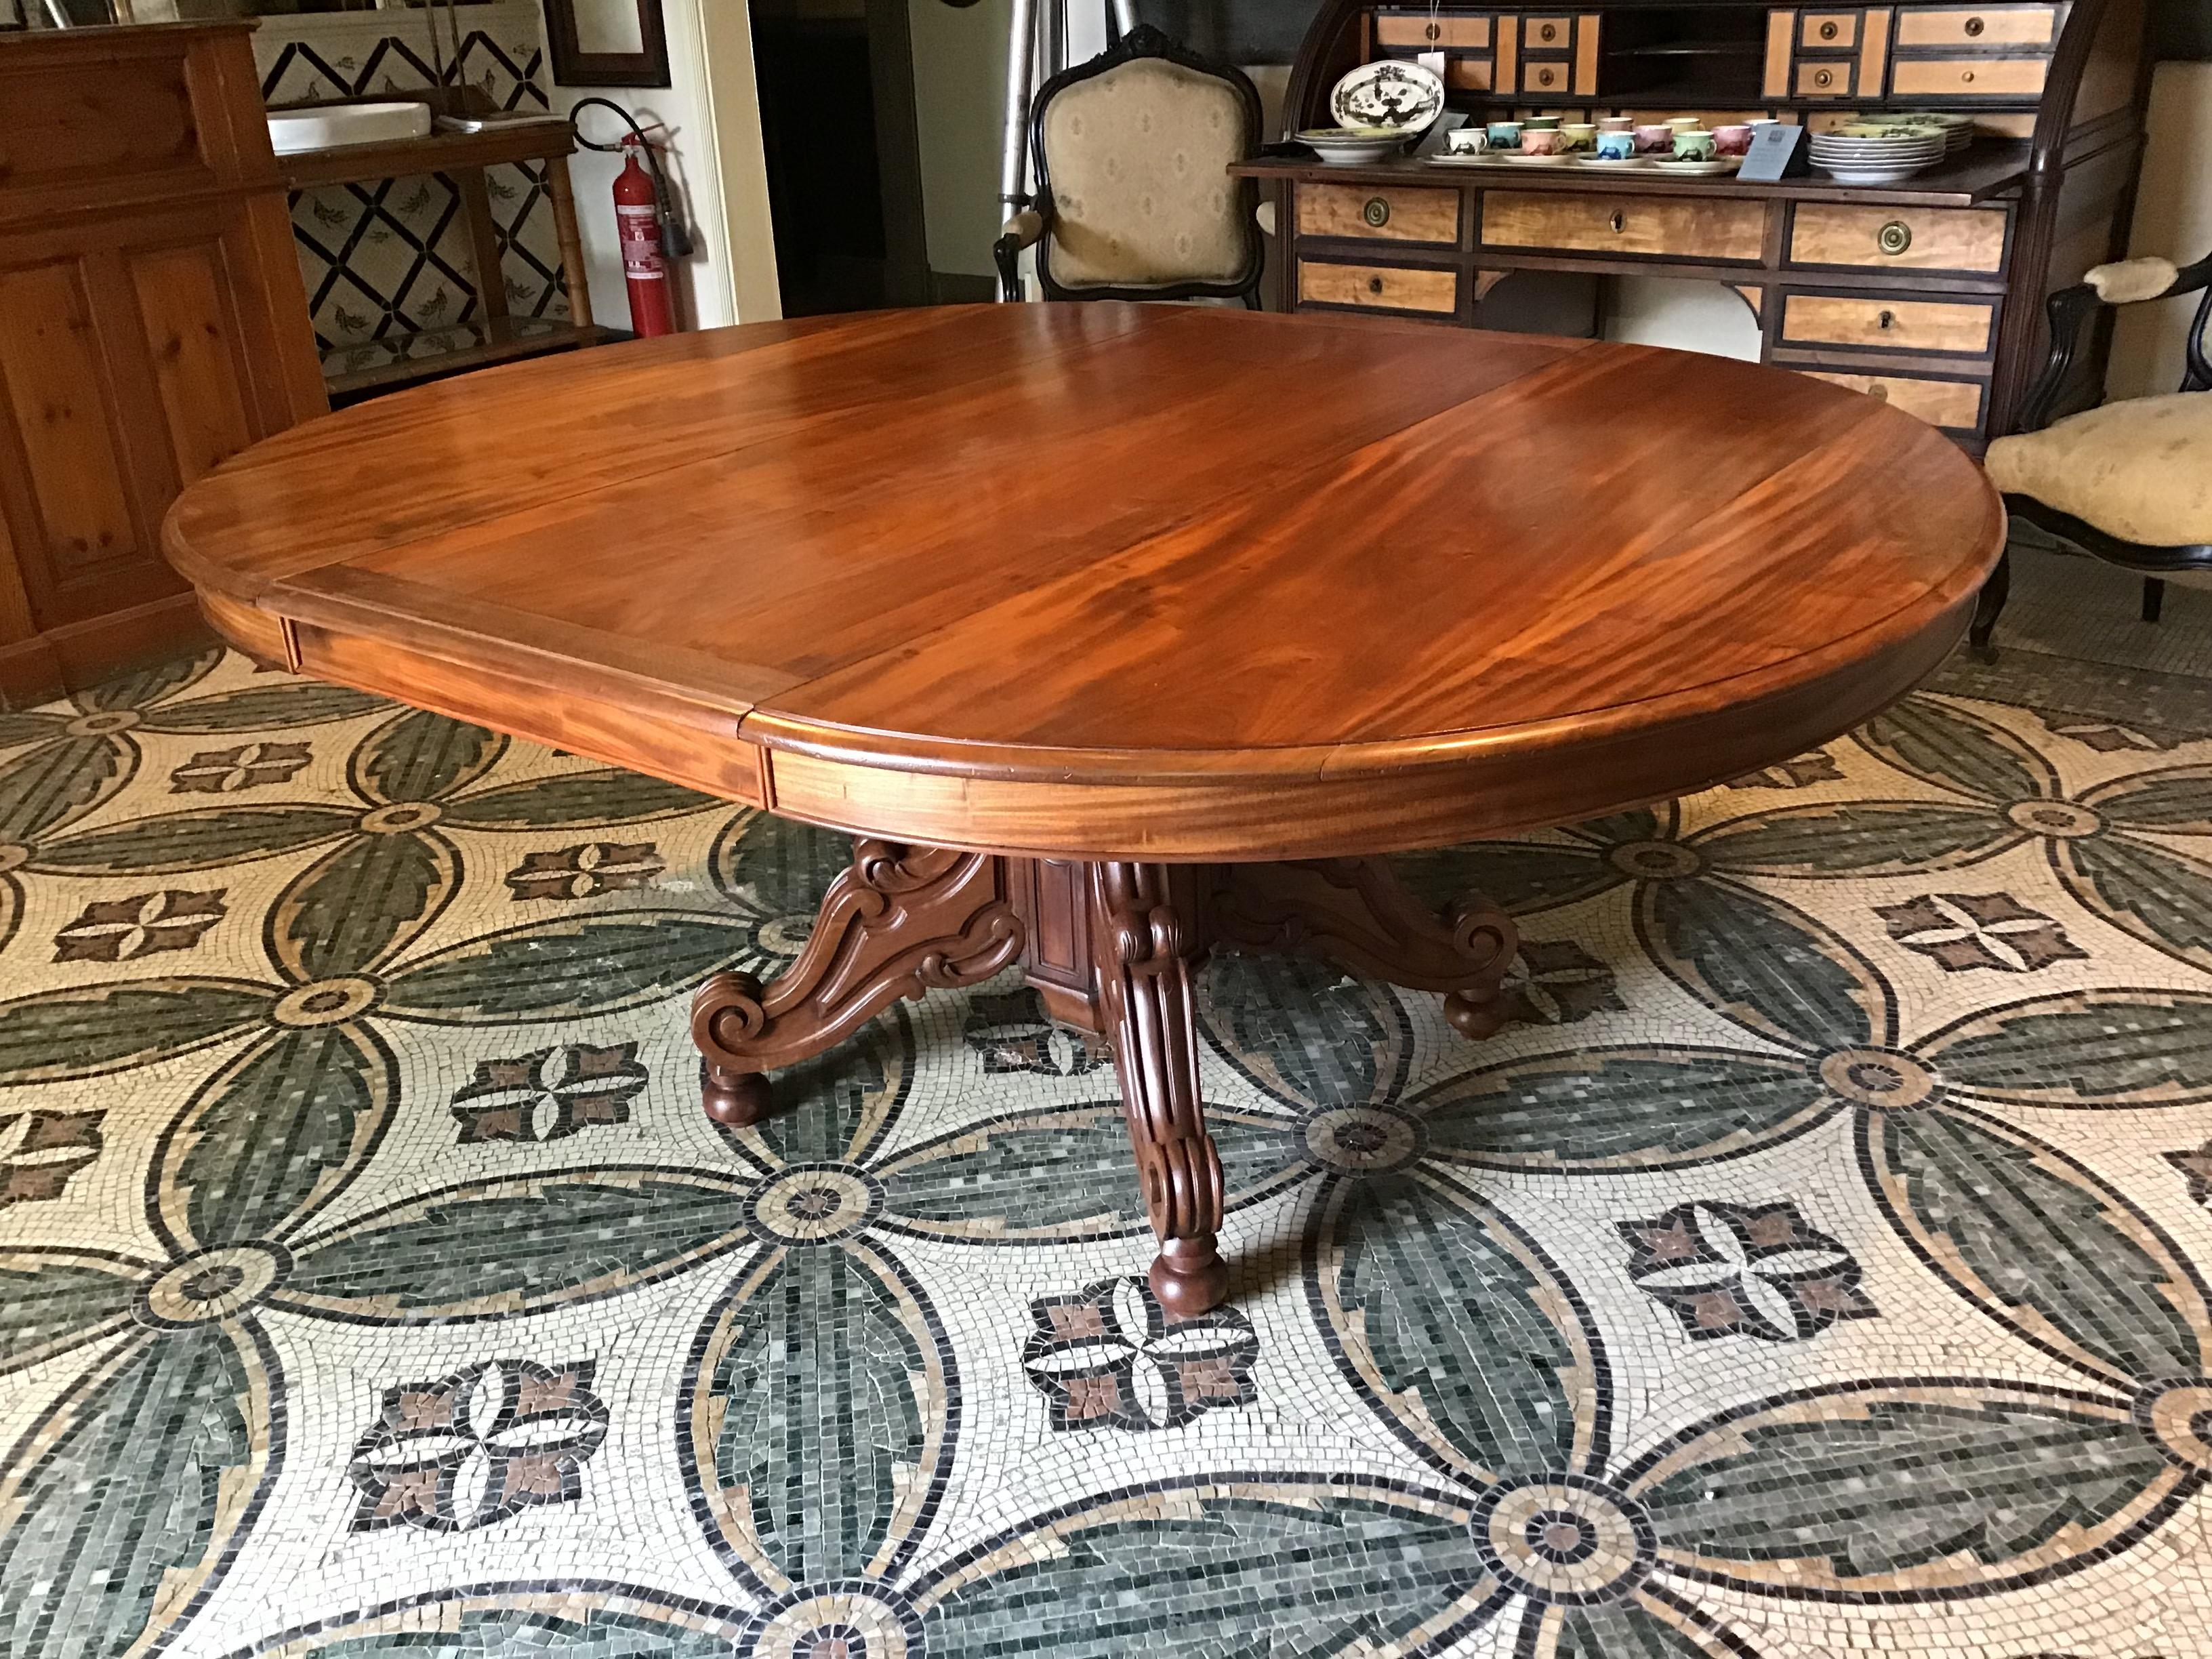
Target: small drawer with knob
<point x="1983" y="27"/>
<point x="1969" y="77"/>
<point x="1953" y="405"/>
<point x="1422" y="31"/>
<point x="1829" y="31"/>
<point x="1827" y="77"/>
<point x="1713" y="231"/>
<point x="1967" y="240"/>
<point x="1389" y="214"/>
<point x="1964" y="328"/>
<point x="1421" y="291"/>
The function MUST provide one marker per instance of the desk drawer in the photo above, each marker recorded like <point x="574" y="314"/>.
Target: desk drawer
<point x="1979" y="25"/>
<point x="1969" y="77"/>
<point x="1389" y="213"/>
<point x="1378" y="287"/>
<point x="1829" y="31"/>
<point x="1833" y="77"/>
<point x="1898" y="238"/>
<point x="1955" y="405"/>
<point x="1688" y="228"/>
<point x="1424" y="33"/>
<point x="1963" y="328"/>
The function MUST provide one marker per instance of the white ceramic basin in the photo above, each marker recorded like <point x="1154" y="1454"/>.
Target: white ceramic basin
<point x="347" y="123"/>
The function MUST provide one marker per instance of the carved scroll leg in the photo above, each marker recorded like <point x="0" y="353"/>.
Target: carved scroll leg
<point x="1357" y="913"/>
<point x="900" y="920"/>
<point x="1145" y="945"/>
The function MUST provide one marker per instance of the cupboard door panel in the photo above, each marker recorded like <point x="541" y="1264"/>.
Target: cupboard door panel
<point x="59" y="399"/>
<point x="190" y="336"/>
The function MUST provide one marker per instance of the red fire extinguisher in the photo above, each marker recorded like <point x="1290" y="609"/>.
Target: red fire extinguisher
<point x="645" y="261"/>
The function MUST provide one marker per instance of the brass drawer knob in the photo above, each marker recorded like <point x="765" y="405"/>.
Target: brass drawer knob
<point x="1374" y="285"/>
<point x="1550" y="31"/>
<point x="1829" y="31"/>
<point x="1825" y="78"/>
<point x="1376" y="212"/>
<point x="1968" y="77"/>
<point x="1896" y="237"/>
<point x="1878" y="392"/>
<point x="1544" y="77"/>
<point x="1435" y="32"/>
<point x="1974" y="27"/>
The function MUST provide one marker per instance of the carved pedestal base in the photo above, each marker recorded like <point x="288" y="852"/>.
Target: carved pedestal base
<point x="1112" y="947"/>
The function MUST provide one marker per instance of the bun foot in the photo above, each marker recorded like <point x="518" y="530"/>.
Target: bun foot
<point x="1478" y="1020"/>
<point x="1189" y="1278"/>
<point x="734" y="1099"/>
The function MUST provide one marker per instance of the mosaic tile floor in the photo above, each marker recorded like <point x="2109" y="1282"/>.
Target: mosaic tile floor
<point x="1817" y="1266"/>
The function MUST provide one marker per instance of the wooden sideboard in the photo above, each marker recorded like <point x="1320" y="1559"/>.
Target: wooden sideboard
<point x="1928" y="293"/>
<point x="152" y="324"/>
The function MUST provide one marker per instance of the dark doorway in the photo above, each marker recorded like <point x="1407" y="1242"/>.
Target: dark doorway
<point x="844" y="167"/>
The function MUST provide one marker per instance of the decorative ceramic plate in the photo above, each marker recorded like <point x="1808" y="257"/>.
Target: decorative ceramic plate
<point x="1402" y="96"/>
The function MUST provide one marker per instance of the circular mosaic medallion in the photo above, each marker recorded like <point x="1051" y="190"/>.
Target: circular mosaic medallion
<point x="1656" y="860"/>
<point x="325" y="1002"/>
<point x="1364" y="1139"/>
<point x="2177" y="1414"/>
<point x="785" y="936"/>
<point x="1880" y="1077"/>
<point x="836" y="1621"/>
<point x="1563" y="1538"/>
<point x="102" y="724"/>
<point x="401" y="816"/>
<point x="13" y="856"/>
<point x="2061" y="820"/>
<point x="814" y="1204"/>
<point x="213" y="1285"/>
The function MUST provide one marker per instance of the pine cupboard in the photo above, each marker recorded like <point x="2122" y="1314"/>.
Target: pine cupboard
<point x="152" y="324"/>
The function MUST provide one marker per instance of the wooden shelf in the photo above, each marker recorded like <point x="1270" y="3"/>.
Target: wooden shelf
<point x="440" y="152"/>
<point x="426" y="355"/>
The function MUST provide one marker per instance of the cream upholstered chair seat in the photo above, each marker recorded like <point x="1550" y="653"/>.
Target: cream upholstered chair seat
<point x="2129" y="481"/>
<point x="2140" y="471"/>
<point x="1135" y="200"/>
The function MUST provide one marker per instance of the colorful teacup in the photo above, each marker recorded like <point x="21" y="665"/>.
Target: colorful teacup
<point x="1687" y="123"/>
<point x="1734" y="139"/>
<point x="1504" y="134"/>
<point x="1693" y="144"/>
<point x="1543" y="122"/>
<point x="1655" y="138"/>
<point x="1616" y="145"/>
<point x="1616" y="124"/>
<point x="1543" y="140"/>
<point x="1467" y="141"/>
<point x="1581" y="136"/>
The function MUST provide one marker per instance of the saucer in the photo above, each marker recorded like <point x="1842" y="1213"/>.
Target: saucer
<point x="1613" y="163"/>
<point x="1712" y="169"/>
<point x="1520" y="160"/>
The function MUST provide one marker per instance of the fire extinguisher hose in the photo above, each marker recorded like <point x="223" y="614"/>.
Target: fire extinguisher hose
<point x="675" y="236"/>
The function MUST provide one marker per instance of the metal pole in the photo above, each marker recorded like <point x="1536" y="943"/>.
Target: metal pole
<point x="1125" y="14"/>
<point x="1014" y="162"/>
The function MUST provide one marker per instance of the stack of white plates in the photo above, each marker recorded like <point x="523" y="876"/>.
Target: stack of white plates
<point x="1958" y="129"/>
<point x="1886" y="157"/>
<point x="1351" y="147"/>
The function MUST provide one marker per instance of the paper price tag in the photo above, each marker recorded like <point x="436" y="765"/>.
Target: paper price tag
<point x="1773" y="154"/>
<point x="1433" y="61"/>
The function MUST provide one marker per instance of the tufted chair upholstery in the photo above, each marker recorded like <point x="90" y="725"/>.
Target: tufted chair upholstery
<point x="2130" y="481"/>
<point x="1135" y="197"/>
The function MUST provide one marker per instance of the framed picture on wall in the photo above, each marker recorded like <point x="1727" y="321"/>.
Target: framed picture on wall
<point x="607" y="43"/>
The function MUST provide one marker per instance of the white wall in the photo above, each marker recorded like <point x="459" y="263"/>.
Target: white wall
<point x="714" y="157"/>
<point x="2173" y="219"/>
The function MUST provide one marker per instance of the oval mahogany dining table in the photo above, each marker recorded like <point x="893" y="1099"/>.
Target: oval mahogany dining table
<point x="1114" y="634"/>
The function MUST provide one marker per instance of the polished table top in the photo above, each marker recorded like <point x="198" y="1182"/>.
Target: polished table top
<point x="1136" y="581"/>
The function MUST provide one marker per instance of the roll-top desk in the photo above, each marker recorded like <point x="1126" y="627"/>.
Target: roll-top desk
<point x="1928" y="294"/>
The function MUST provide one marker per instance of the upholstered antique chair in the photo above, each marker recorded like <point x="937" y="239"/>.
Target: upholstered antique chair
<point x="2130" y="481"/>
<point x="1134" y="199"/>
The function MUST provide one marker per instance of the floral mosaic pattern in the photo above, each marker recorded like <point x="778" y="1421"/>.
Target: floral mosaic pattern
<point x="1816" y="1264"/>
